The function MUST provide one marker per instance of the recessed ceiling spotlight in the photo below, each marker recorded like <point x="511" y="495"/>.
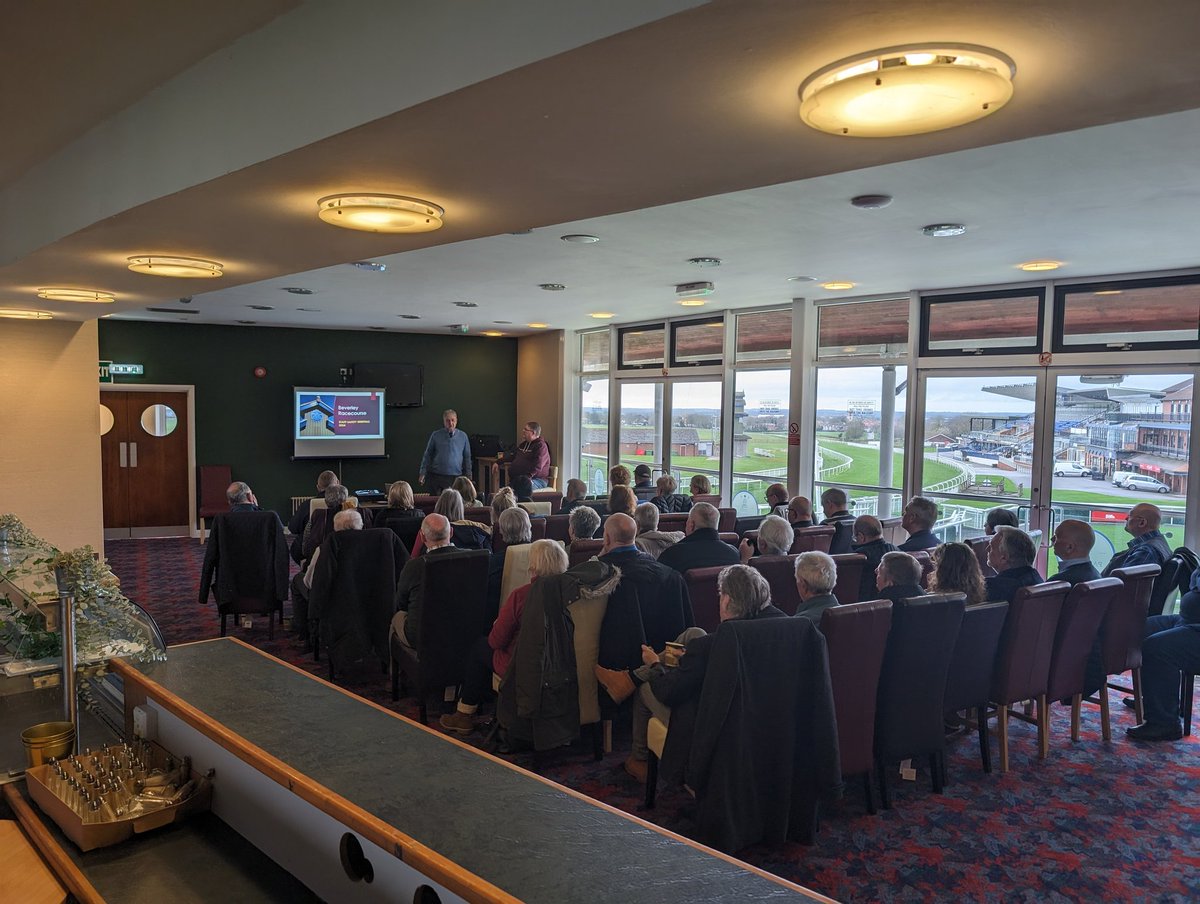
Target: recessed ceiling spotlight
<point x="871" y="202"/>
<point x="943" y="230"/>
<point x="244" y="322"/>
<point x="377" y="327"/>
<point x="537" y="326"/>
<point x="380" y="213"/>
<point x="309" y="310"/>
<point x="906" y="90"/>
<point x="180" y="267"/>
<point x="502" y="322"/>
<point x="409" y="316"/>
<point x="19" y="314"/>
<point x="298" y="290"/>
<point x="705" y="262"/>
<point x="492" y="333"/>
<point x="551" y="286"/>
<point x="1108" y="292"/>
<point x="465" y="304"/>
<point x="369" y="266"/>
<point x="260" y="307"/>
<point x="693" y="302"/>
<point x="90" y="296"/>
<point x="602" y="315"/>
<point x="1039" y="266"/>
<point x="522" y="232"/>
<point x="801" y="279"/>
<point x="581" y="239"/>
<point x="837" y="286"/>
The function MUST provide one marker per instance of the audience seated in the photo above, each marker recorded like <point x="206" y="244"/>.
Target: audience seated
<point x="650" y="539"/>
<point x="493" y="653"/>
<point x="1170" y="649"/>
<point x="466" y="489"/>
<point x="583" y="523"/>
<point x="918" y="518"/>
<point x="1073" y="541"/>
<point x="816" y="576"/>
<point x="956" y="570"/>
<point x="667" y="499"/>
<point x="241" y="497"/>
<point x="799" y="512"/>
<point x="999" y="517"/>
<point x="467" y="534"/>
<point x="1148" y="546"/>
<point x="777" y="500"/>
<point x="622" y="499"/>
<point x="898" y="577"/>
<point x="299" y="523"/>
<point x="619" y="476"/>
<point x="436" y="532"/>
<point x="1011" y="554"/>
<point x="642" y="478"/>
<point x="573" y="498"/>
<point x="514" y="529"/>
<point x="522" y="487"/>
<point x="775" y="537"/>
<point x="743" y="593"/>
<point x="834" y="504"/>
<point x="868" y="540"/>
<point x="401" y="516"/>
<point x="702" y="547"/>
<point x="700" y="485"/>
<point x="320" y="525"/>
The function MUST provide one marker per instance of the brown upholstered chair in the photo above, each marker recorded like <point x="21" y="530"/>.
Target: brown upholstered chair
<point x="553" y="496"/>
<point x="892" y="531"/>
<point x="979" y="546"/>
<point x="1023" y="660"/>
<point x="849" y="575"/>
<point x="729" y="537"/>
<point x="856" y="636"/>
<point x="211" y="483"/>
<point x="557" y="528"/>
<point x="246" y="567"/>
<point x="670" y="521"/>
<point x="780" y="572"/>
<point x="925" y="560"/>
<point x="702" y="590"/>
<point x="729" y="519"/>
<point x="425" y="502"/>
<point x="480" y="513"/>
<point x="1121" y="637"/>
<point x="582" y="550"/>
<point x="1078" y="626"/>
<point x="969" y="679"/>
<point x="713" y="499"/>
<point x="909" y="719"/>
<point x="810" y="539"/>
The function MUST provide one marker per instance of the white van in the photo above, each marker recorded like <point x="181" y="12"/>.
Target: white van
<point x="1119" y="477"/>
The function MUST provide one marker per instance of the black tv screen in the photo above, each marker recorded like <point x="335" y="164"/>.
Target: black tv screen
<point x="404" y="383"/>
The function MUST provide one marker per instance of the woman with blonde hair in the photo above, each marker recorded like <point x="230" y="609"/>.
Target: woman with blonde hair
<point x="494" y="652"/>
<point x="401" y="514"/>
<point x="700" y="486"/>
<point x="466" y="534"/>
<point x="956" y="570"/>
<point x="466" y="489"/>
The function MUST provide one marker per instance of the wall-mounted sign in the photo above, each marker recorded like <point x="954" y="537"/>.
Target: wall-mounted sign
<point x="105" y="373"/>
<point x="125" y="369"/>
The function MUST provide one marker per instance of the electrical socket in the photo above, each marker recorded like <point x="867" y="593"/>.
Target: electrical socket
<point x="145" y="723"/>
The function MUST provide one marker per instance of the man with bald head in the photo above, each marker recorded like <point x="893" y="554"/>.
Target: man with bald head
<point x="799" y="512"/>
<point x="702" y="547"/>
<point x="868" y="540"/>
<point x="406" y="624"/>
<point x="241" y="498"/>
<point x="1073" y="541"/>
<point x="777" y="499"/>
<point x="1148" y="546"/>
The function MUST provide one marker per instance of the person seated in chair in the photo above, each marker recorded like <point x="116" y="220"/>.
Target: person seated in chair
<point x="919" y="517"/>
<point x="436" y="532"/>
<point x="642" y="478"/>
<point x="799" y="512"/>
<point x="531" y="457"/>
<point x="956" y="570"/>
<point x="1011" y="554"/>
<point x="660" y="593"/>
<point x="1148" y="546"/>
<point x="622" y="499"/>
<point x="650" y="539"/>
<point x="401" y="516"/>
<point x="668" y="500"/>
<point x="816" y="576"/>
<point x="320" y="525"/>
<point x="300" y="519"/>
<point x="515" y="530"/>
<point x="241" y="498"/>
<point x="898" y="577"/>
<point x="619" y="476"/>
<point x="522" y="487"/>
<point x="492" y="654"/>
<point x="466" y="489"/>
<point x="467" y="534"/>
<point x="302" y="582"/>
<point x="999" y="517"/>
<point x="583" y="524"/>
<point x="775" y="537"/>
<point x="777" y="500"/>
<point x="1073" y="541"/>
<point x="1170" y="648"/>
<point x="868" y="540"/>
<point x="700" y="485"/>
<point x="702" y="547"/>
<point x="742" y="593"/>
<point x="573" y="498"/>
<point x="834" y="504"/>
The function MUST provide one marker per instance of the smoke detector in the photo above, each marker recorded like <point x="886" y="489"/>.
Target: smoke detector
<point x="694" y="289"/>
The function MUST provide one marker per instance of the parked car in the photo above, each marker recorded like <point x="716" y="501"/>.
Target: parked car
<point x="1147" y="484"/>
<point x="1071" y="469"/>
<point x="1119" y="477"/>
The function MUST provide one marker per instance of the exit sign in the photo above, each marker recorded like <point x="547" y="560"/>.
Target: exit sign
<point x="125" y="369"/>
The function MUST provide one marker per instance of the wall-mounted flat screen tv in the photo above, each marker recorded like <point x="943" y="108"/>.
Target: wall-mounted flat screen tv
<point x="403" y="383"/>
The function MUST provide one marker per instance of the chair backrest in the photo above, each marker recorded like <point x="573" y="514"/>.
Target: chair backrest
<point x="702" y="590"/>
<point x="425" y="502"/>
<point x="211" y="483"/>
<point x="813" y="539"/>
<point x="538" y="508"/>
<point x="969" y="678"/>
<point x="553" y="496"/>
<point x="729" y="518"/>
<point x="849" y="576"/>
<point x="856" y="636"/>
<point x="843" y="537"/>
<point x="729" y="537"/>
<point x="480" y="513"/>
<point x="248" y="557"/>
<point x="671" y="521"/>
<point x="1167" y="580"/>
<point x="453" y="614"/>
<point x="713" y="499"/>
<point x="1078" y="625"/>
<point x="1121" y="630"/>
<point x="558" y="528"/>
<point x="925" y="560"/>
<point x="780" y="572"/>
<point x="912" y="684"/>
<point x="892" y="531"/>
<point x="979" y="546"/>
<point x="582" y="550"/>
<point x="552" y="482"/>
<point x="587" y="615"/>
<point x="516" y="569"/>
<point x="1026" y="642"/>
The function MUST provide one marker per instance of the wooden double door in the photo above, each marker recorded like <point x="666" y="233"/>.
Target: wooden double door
<point x="144" y="462"/>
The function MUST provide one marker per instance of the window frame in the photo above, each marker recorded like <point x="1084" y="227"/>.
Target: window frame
<point x="1062" y="291"/>
<point x="1035" y="290"/>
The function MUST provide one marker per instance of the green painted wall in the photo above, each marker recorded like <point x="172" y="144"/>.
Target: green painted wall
<point x="245" y="422"/>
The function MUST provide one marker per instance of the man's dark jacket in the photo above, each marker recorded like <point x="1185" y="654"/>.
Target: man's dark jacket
<point x="1078" y="573"/>
<point x="843" y="533"/>
<point x="922" y="539"/>
<point x="874" y="551"/>
<point x="246" y="556"/>
<point x="897" y="592"/>
<point x="1005" y="585"/>
<point x="650" y="606"/>
<point x="702" y="548"/>
<point x="410" y="591"/>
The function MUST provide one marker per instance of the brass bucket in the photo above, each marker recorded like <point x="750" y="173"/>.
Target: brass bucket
<point x="49" y="739"/>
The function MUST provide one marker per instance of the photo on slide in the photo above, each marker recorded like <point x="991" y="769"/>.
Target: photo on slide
<point x="348" y="415"/>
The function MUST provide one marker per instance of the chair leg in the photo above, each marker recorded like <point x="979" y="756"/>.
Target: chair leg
<point x="1002" y="724"/>
<point x="395" y="681"/>
<point x="203" y="537"/>
<point x="985" y="744"/>
<point x="1043" y="717"/>
<point x="596" y="730"/>
<point x="935" y="773"/>
<point x="607" y="725"/>
<point x="651" y="779"/>
<point x="1075" y="705"/>
<point x="223" y="616"/>
<point x="868" y="792"/>
<point x="1137" y="695"/>
<point x="885" y="797"/>
<point x="1187" y="692"/>
<point x="1105" y="725"/>
<point x="271" y="624"/>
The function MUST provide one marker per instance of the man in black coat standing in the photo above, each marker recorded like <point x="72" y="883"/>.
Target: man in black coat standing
<point x="1073" y="541"/>
<point x="702" y="547"/>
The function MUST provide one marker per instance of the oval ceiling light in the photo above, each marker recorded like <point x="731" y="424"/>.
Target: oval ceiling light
<point x="906" y="90"/>
<point x="693" y="302"/>
<point x="1039" y="266"/>
<point x="943" y="230"/>
<point x="86" y="296"/>
<point x="705" y="262"/>
<point x="579" y="239"/>
<point x="19" y="314"/>
<point x="538" y="326"/>
<point x="380" y="213"/>
<point x="182" y="267"/>
<point x="492" y="334"/>
<point x="602" y="315"/>
<point x="839" y="286"/>
<point x="801" y="279"/>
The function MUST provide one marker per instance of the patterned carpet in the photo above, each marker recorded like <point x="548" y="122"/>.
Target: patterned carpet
<point x="1094" y="822"/>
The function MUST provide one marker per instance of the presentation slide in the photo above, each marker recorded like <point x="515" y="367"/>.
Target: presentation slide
<point x="337" y="423"/>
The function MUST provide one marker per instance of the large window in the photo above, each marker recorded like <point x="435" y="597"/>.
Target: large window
<point x="866" y="329"/>
<point x="760" y="432"/>
<point x="764" y="336"/>
<point x="593" y="438"/>
<point x="1147" y="314"/>
<point x="982" y="323"/>
<point x="696" y="432"/>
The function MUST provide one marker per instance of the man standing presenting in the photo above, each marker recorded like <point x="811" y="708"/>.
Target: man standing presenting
<point x="447" y="455"/>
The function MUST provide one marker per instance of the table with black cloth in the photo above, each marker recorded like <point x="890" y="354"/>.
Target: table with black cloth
<point x="479" y="826"/>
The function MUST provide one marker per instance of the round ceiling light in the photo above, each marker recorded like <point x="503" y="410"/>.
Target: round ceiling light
<point x="380" y="213"/>
<point x="838" y="286"/>
<point x="551" y="287"/>
<point x="943" y="230"/>
<point x="906" y="90"/>
<point x="87" y="296"/>
<point x="182" y="267"/>
<point x="871" y="202"/>
<point x="492" y="334"/>
<point x="1039" y="266"/>
<point x="602" y="315"/>
<point x="538" y="326"/>
<point x="18" y="314"/>
<point x="705" y="262"/>
<point x="801" y="279"/>
<point x="297" y="290"/>
<point x="693" y="302"/>
<point x="577" y="239"/>
<point x="409" y="316"/>
<point x="465" y="304"/>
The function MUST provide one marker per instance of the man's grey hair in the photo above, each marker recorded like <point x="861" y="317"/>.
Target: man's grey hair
<point x="238" y="493"/>
<point x="335" y="496"/>
<point x="450" y="504"/>
<point x="817" y="570"/>
<point x="834" y="496"/>
<point x="925" y="510"/>
<point x="747" y="589"/>
<point x="1001" y="516"/>
<point x="704" y="515"/>
<point x="347" y="520"/>
<point x="646" y="516"/>
<point x="448" y="412"/>
<point x="584" y="523"/>
<point x="515" y="526"/>
<point x="1017" y="546"/>
<point x="901" y="568"/>
<point x="325" y="480"/>
<point x="775" y="536"/>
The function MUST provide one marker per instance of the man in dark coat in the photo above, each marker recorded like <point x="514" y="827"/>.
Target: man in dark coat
<point x="1011" y="554"/>
<point x="898" y="577"/>
<point x="868" y="540"/>
<point x="1148" y="546"/>
<point x="799" y="512"/>
<point x="920" y="515"/>
<point x="300" y="519"/>
<point x="246" y="556"/>
<point x="834" y="503"/>
<point x="702" y="547"/>
<point x="409" y="597"/>
<point x="1073" y="541"/>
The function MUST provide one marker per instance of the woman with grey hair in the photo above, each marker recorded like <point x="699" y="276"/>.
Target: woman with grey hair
<point x="583" y="523"/>
<point x="650" y="539"/>
<point x="514" y="530"/>
<point x="466" y="534"/>
<point x="775" y="538"/>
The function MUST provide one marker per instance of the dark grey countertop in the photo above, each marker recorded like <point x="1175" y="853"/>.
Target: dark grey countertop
<point x="529" y="838"/>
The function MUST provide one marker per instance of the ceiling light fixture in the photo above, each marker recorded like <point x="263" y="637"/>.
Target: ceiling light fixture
<point x="871" y="202"/>
<point x="551" y="287"/>
<point x="705" y="262"/>
<point x="409" y="316"/>
<point x="693" y="302"/>
<point x="297" y="290"/>
<point x="602" y="315"/>
<point x="369" y="266"/>
<point x="537" y="326"/>
<point x="503" y="322"/>
<point x="1039" y="266"/>
<point x="943" y="230"/>
<point x="801" y="279"/>
<point x="575" y="239"/>
<point x="380" y="213"/>
<point x="465" y="304"/>
<point x="309" y="310"/>
<point x="838" y="286"/>
<point x="1108" y="292"/>
<point x="694" y="289"/>
<point x="19" y="314"/>
<point x="260" y="307"/>
<point x="907" y="90"/>
<point x="87" y="296"/>
<point x="180" y="267"/>
<point x="492" y="333"/>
